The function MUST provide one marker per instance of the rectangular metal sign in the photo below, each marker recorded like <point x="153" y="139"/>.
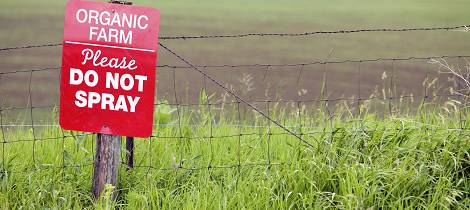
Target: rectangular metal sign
<point x="108" y="68"/>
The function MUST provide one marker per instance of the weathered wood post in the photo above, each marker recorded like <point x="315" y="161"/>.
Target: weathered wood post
<point x="106" y="166"/>
<point x="108" y="154"/>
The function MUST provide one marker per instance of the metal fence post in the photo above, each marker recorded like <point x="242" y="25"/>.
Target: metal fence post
<point x="130" y="152"/>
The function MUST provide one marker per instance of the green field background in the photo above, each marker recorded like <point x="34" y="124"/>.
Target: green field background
<point x="408" y="147"/>
<point x="34" y="22"/>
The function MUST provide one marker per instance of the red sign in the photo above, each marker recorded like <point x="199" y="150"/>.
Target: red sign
<point x="108" y="68"/>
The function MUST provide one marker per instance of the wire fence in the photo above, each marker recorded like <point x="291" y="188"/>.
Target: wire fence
<point x="447" y="28"/>
<point x="226" y="120"/>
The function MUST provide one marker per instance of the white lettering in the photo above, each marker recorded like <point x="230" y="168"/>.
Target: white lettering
<point x="83" y="14"/>
<point x="106" y="101"/>
<point x="121" y="104"/>
<point x="88" y="81"/>
<point x="116" y="19"/>
<point x="102" y="35"/>
<point x="133" y="102"/>
<point x="144" y="26"/>
<point x="105" y="18"/>
<point x="90" y="55"/>
<point x="93" y="32"/>
<point x="93" y="15"/>
<point x="93" y="98"/>
<point x="140" y="83"/>
<point x="113" y="34"/>
<point x="73" y="79"/>
<point x="81" y="100"/>
<point x="130" y="82"/>
<point x="126" y="39"/>
<point x="110" y="35"/>
<point x="112" y="80"/>
<point x="87" y="55"/>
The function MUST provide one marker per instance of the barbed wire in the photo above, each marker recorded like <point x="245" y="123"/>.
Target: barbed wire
<point x="364" y="30"/>
<point x="276" y="65"/>
<point x="445" y="28"/>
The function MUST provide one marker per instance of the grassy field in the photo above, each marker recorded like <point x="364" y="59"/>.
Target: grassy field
<point x="407" y="147"/>
<point x="37" y="22"/>
<point x="356" y="162"/>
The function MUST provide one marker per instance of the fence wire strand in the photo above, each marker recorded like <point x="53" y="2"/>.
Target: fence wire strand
<point x="238" y="98"/>
<point x="365" y="30"/>
<point x="268" y="66"/>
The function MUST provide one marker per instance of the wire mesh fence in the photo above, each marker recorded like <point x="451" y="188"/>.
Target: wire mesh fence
<point x="225" y="116"/>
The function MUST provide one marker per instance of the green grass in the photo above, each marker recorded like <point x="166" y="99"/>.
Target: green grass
<point x="369" y="161"/>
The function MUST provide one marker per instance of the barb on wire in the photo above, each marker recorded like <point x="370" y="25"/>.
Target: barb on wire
<point x="414" y="29"/>
<point x="235" y="95"/>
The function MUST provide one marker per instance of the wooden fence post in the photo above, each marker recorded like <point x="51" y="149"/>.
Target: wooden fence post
<point x="106" y="166"/>
<point x="108" y="154"/>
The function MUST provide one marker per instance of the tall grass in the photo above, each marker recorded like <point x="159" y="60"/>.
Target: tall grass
<point x="198" y="159"/>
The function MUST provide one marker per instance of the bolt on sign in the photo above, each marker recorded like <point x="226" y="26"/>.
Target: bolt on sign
<point x="108" y="68"/>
